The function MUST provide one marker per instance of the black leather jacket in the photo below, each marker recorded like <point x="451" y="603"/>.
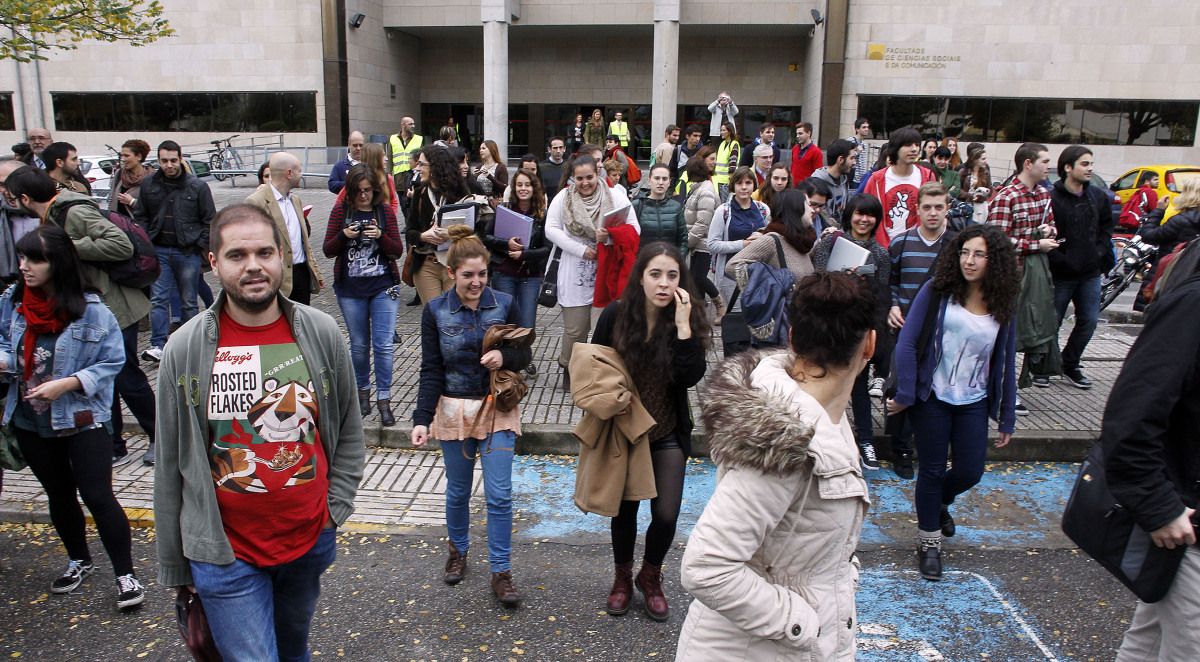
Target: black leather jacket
<point x="187" y="198"/>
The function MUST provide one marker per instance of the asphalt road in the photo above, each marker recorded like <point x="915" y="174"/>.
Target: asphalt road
<point x="384" y="600"/>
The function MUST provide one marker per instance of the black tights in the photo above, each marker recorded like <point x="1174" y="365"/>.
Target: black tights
<point x="699" y="266"/>
<point x="669" y="465"/>
<point x="83" y="463"/>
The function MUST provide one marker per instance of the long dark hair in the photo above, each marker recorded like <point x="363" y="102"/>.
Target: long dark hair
<point x="1001" y="283"/>
<point x="537" y="203"/>
<point x="358" y="174"/>
<point x="787" y="218"/>
<point x="50" y="243"/>
<point x="652" y="356"/>
<point x="444" y="177"/>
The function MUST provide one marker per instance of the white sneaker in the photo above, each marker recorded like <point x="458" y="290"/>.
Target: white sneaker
<point x="876" y="390"/>
<point x="153" y="354"/>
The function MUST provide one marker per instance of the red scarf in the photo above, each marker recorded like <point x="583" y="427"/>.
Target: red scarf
<point x="42" y="315"/>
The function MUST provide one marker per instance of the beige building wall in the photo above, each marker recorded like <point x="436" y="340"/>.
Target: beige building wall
<point x="1031" y="48"/>
<point x="220" y="46"/>
<point x="383" y="79"/>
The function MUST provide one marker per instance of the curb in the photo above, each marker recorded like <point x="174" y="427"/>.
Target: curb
<point x="1026" y="446"/>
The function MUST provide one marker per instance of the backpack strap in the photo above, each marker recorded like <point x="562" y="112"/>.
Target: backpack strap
<point x="60" y="215"/>
<point x="779" y="252"/>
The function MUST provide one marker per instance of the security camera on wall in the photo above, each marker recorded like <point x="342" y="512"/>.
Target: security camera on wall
<point x="356" y="20"/>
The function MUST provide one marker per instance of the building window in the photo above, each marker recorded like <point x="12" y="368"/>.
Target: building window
<point x="7" y="118"/>
<point x="1008" y="120"/>
<point x="265" y="112"/>
<point x="748" y="121"/>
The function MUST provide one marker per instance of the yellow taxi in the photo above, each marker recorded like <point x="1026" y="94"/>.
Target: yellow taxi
<point x="1170" y="179"/>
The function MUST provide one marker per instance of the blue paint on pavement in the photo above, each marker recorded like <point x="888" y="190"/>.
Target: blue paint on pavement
<point x="1016" y="504"/>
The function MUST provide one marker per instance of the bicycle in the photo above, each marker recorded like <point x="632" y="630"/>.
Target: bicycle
<point x="224" y="157"/>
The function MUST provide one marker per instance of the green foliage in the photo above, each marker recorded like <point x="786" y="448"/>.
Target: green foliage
<point x="29" y="28"/>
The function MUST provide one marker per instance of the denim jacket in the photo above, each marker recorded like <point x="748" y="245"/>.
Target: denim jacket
<point x="451" y="346"/>
<point x="90" y="348"/>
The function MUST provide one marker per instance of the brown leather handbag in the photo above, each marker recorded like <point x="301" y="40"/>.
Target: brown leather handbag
<point x="193" y="627"/>
<point x="505" y="387"/>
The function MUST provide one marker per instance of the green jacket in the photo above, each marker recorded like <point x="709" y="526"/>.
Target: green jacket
<point x="952" y="181"/>
<point x="98" y="240"/>
<point x="187" y="519"/>
<point x="661" y="220"/>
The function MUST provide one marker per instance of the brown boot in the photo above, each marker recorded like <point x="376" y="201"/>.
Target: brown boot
<point x="456" y="566"/>
<point x="718" y="310"/>
<point x="386" y="418"/>
<point x="622" y="590"/>
<point x="649" y="582"/>
<point x="502" y="586"/>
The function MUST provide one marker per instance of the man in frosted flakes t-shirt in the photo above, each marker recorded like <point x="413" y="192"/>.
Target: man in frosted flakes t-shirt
<point x="261" y="449"/>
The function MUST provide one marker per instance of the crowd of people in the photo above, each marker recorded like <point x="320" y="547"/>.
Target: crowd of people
<point x="911" y="284"/>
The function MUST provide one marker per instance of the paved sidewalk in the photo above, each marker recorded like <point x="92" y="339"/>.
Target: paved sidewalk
<point x="406" y="489"/>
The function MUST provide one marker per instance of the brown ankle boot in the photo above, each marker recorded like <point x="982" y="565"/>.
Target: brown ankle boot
<point x="386" y="419"/>
<point x="364" y="402"/>
<point x="456" y="566"/>
<point x="649" y="582"/>
<point x="502" y="586"/>
<point x="622" y="590"/>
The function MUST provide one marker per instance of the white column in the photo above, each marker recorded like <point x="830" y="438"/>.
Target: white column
<point x="495" y="83"/>
<point x="664" y="79"/>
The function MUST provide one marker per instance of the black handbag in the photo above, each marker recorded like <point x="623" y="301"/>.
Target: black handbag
<point x="548" y="295"/>
<point x="1107" y="532"/>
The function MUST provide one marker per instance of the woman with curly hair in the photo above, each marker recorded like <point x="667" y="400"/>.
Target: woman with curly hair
<point x="964" y="374"/>
<point x="661" y="336"/>
<point x="441" y="183"/>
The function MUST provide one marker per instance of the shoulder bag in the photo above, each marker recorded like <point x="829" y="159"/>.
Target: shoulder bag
<point x="548" y="294"/>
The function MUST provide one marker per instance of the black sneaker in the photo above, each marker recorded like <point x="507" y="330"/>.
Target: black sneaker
<point x="903" y="467"/>
<point x="1021" y="409"/>
<point x="866" y="453"/>
<point x="73" y="577"/>
<point x="531" y="371"/>
<point x="130" y="592"/>
<point x="1041" y="381"/>
<point x="1076" y="378"/>
<point x="946" y="522"/>
<point x="929" y="560"/>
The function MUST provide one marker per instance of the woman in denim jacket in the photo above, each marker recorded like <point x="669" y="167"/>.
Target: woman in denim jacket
<point x="63" y="349"/>
<point x="453" y="406"/>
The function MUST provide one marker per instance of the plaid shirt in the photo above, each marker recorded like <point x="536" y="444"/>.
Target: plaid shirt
<point x="1019" y="211"/>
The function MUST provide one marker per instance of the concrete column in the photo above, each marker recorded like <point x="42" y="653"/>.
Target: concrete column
<point x="664" y="79"/>
<point x="495" y="84"/>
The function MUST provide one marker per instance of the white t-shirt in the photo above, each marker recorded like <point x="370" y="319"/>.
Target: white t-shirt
<point x="961" y="376"/>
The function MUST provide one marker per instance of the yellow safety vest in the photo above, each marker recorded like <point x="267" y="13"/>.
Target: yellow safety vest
<point x="620" y="130"/>
<point x="727" y="159"/>
<point x="401" y="154"/>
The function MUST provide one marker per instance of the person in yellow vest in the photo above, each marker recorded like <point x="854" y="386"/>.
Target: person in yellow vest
<point x="403" y="148"/>
<point x="729" y="152"/>
<point x="620" y="128"/>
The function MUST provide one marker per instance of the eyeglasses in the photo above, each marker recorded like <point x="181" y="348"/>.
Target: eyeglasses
<point x="816" y="206"/>
<point x="978" y="255"/>
<point x="422" y="164"/>
<point x="366" y="191"/>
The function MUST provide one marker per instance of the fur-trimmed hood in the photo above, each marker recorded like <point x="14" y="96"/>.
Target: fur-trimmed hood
<point x="752" y="427"/>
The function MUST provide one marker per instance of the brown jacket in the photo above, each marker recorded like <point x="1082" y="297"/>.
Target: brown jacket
<point x="264" y="199"/>
<point x="614" y="448"/>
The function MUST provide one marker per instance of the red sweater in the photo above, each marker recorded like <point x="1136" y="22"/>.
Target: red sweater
<point x="614" y="263"/>
<point x="803" y="166"/>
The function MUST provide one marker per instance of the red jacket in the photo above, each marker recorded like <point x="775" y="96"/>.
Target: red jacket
<point x="1142" y="202"/>
<point x="804" y="166"/>
<point x="614" y="262"/>
<point x="877" y="186"/>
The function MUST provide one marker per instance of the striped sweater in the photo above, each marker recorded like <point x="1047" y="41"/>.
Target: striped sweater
<point x="912" y="265"/>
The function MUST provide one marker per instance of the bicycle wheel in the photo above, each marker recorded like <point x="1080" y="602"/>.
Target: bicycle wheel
<point x="215" y="165"/>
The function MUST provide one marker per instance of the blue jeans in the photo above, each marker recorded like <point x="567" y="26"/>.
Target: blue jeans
<point x="264" y="614"/>
<point x="524" y="291"/>
<point x="860" y="404"/>
<point x="496" y="453"/>
<point x="1085" y="294"/>
<point x="372" y="325"/>
<point x="180" y="273"/>
<point x="939" y="427"/>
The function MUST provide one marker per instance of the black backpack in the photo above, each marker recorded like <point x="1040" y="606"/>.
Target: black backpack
<point x="140" y="270"/>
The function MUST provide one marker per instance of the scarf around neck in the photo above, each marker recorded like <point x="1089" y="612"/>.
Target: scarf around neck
<point x="42" y="316"/>
<point x="131" y="179"/>
<point x="584" y="214"/>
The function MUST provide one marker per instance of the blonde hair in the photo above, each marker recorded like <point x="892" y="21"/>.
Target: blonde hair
<point x="1189" y="194"/>
<point x="373" y="156"/>
<point x="464" y="245"/>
